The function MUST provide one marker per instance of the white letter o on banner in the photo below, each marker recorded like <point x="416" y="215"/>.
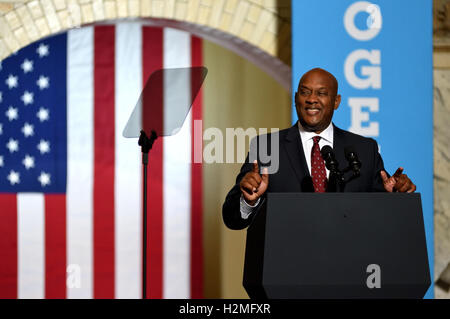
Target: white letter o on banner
<point x="374" y="21"/>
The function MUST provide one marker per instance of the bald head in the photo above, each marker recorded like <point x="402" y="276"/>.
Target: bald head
<point x="326" y="76"/>
<point x="316" y="99"/>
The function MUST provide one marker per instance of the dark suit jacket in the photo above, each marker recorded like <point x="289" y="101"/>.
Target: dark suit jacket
<point x="293" y="173"/>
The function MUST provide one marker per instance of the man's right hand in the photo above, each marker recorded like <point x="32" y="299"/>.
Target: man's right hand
<point x="253" y="185"/>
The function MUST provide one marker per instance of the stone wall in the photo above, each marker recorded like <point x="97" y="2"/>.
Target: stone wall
<point x="441" y="141"/>
<point x="441" y="173"/>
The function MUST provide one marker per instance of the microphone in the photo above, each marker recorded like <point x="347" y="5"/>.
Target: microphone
<point x="329" y="158"/>
<point x="352" y="159"/>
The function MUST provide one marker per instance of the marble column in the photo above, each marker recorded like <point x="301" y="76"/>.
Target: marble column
<point x="441" y="173"/>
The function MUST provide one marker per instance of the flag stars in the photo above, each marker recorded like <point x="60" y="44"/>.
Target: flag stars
<point x="12" y="81"/>
<point x="27" y="98"/>
<point x="1" y="128"/>
<point x="43" y="82"/>
<point x="43" y="147"/>
<point x="2" y="163"/>
<point x="43" y="50"/>
<point x="27" y="66"/>
<point x="12" y="113"/>
<point x="13" y="177"/>
<point x="28" y="130"/>
<point x="43" y="114"/>
<point x="1" y="97"/>
<point x="12" y="145"/>
<point x="44" y="179"/>
<point x="28" y="162"/>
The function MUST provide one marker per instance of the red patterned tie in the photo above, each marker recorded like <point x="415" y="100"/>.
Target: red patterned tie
<point x="318" y="173"/>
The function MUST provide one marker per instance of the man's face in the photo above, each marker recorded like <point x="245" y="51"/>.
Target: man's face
<point x="316" y="100"/>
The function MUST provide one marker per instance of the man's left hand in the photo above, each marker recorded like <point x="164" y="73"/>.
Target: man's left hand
<point x="398" y="182"/>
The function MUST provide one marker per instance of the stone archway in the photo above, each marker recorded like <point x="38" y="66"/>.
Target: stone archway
<point x="258" y="30"/>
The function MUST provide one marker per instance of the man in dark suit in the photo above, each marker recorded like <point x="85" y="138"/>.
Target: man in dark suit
<point x="301" y="167"/>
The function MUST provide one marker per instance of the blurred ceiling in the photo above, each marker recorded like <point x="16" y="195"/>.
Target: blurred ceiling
<point x="441" y="16"/>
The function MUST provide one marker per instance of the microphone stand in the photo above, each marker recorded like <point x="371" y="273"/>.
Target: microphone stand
<point x="146" y="144"/>
<point x="356" y="173"/>
<point x="338" y="180"/>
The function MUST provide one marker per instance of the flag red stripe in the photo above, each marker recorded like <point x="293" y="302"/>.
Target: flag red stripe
<point x="55" y="246"/>
<point x="104" y="95"/>
<point x="8" y="246"/>
<point x="152" y="57"/>
<point x="196" y="186"/>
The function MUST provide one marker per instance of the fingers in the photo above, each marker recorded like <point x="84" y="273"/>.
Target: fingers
<point x="402" y="184"/>
<point x="265" y="175"/>
<point x="250" y="199"/>
<point x="255" y="177"/>
<point x="404" y="188"/>
<point x="253" y="185"/>
<point x="405" y="185"/>
<point x="250" y="182"/>
<point x="398" y="172"/>
<point x="247" y="187"/>
<point x="384" y="176"/>
<point x="255" y="167"/>
<point x="412" y="189"/>
<point x="255" y="181"/>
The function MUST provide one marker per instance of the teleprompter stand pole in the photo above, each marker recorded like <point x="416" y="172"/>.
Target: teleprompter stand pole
<point x="146" y="144"/>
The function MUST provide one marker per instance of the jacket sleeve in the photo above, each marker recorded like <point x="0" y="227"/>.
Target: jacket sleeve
<point x="231" y="209"/>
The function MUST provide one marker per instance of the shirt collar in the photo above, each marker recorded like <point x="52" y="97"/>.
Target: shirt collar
<point x="326" y="134"/>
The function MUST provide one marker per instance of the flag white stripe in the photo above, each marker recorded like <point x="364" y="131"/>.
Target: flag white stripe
<point x="80" y="100"/>
<point x="128" y="172"/>
<point x="177" y="180"/>
<point x="31" y="245"/>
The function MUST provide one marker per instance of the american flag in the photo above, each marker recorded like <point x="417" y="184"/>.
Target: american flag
<point x="33" y="126"/>
<point x="70" y="184"/>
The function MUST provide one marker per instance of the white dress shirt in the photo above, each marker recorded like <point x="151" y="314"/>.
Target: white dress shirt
<point x="307" y="142"/>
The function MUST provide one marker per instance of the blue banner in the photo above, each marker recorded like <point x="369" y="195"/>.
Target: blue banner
<point x="381" y="55"/>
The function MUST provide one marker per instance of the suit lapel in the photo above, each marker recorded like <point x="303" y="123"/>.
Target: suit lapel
<point x="294" y="149"/>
